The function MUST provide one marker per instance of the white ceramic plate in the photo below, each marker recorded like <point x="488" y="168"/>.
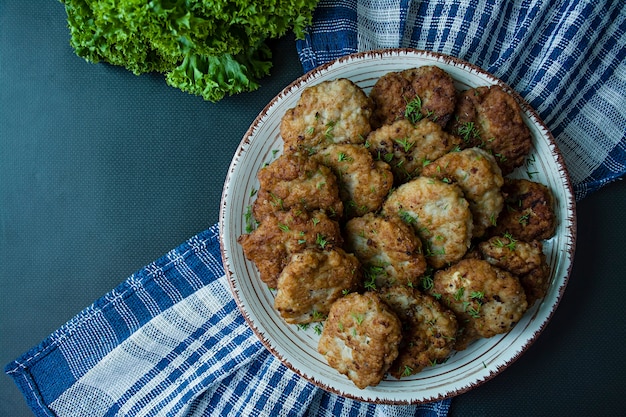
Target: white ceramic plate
<point x="297" y="348"/>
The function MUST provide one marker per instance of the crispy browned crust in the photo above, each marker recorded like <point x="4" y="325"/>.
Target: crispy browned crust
<point x="361" y="338"/>
<point x="283" y="233"/>
<point x="428" y="330"/>
<point x="430" y="84"/>
<point x="536" y="283"/>
<point x="439" y="214"/>
<point x="409" y="147"/>
<point x="480" y="178"/>
<point x="335" y="111"/>
<point x="312" y="281"/>
<point x="297" y="181"/>
<point x="490" y="118"/>
<point x="528" y="212"/>
<point x="524" y="259"/>
<point x="486" y="300"/>
<point x="363" y="182"/>
<point x="388" y="249"/>
<point x="517" y="257"/>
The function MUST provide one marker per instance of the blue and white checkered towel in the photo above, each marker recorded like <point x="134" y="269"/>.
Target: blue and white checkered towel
<point x="566" y="58"/>
<point x="170" y="339"/>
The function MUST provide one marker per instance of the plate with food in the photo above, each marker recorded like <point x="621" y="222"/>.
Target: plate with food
<point x="397" y="226"/>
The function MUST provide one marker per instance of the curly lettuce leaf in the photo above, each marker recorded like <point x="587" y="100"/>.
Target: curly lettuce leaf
<point x="210" y="48"/>
<point x="214" y="77"/>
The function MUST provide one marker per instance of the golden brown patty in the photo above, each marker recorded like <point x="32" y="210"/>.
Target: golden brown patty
<point x="480" y="178"/>
<point x="490" y="118"/>
<point x="486" y="300"/>
<point x="360" y="338"/>
<point x="363" y="182"/>
<point x="389" y="250"/>
<point x="427" y="92"/>
<point x="409" y="147"/>
<point x="515" y="256"/>
<point x="336" y="111"/>
<point x="312" y="281"/>
<point x="428" y="330"/>
<point x="524" y="259"/>
<point x="439" y="214"/>
<point x="283" y="233"/>
<point x="536" y="283"/>
<point x="528" y="212"/>
<point x="297" y="181"/>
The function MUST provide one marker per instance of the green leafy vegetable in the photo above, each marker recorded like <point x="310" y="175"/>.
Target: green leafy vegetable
<point x="208" y="48"/>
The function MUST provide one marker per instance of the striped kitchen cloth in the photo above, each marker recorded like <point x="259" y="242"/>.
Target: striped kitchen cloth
<point x="566" y="58"/>
<point x="170" y="341"/>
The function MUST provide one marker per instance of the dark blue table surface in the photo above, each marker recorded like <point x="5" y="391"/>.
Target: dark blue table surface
<point x="102" y="172"/>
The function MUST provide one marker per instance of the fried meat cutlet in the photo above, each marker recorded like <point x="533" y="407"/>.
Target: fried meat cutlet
<point x="517" y="257"/>
<point x="428" y="330"/>
<point x="490" y="118"/>
<point x="360" y="338"/>
<point x="524" y="259"/>
<point x="480" y="178"/>
<point x="536" y="283"/>
<point x="486" y="300"/>
<point x="312" y="281"/>
<point x="296" y="181"/>
<point x="409" y="147"/>
<point x="283" y="233"/>
<point x="439" y="214"/>
<point x="334" y="111"/>
<point x="363" y="182"/>
<point x="388" y="249"/>
<point x="415" y="93"/>
<point x="528" y="212"/>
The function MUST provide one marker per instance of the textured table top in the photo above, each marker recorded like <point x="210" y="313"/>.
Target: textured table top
<point x="101" y="172"/>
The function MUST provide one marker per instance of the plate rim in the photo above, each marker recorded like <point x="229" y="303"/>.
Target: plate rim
<point x="531" y="113"/>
